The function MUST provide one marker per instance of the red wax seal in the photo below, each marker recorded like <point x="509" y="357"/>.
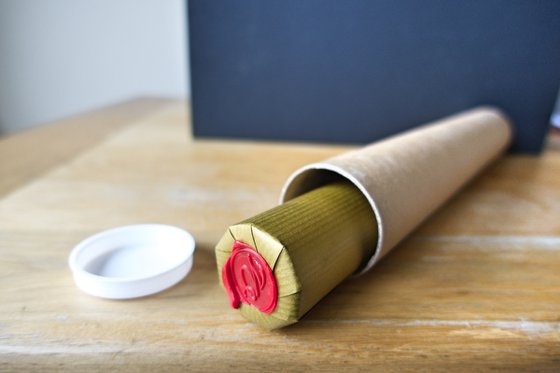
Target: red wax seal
<point x="248" y="279"/>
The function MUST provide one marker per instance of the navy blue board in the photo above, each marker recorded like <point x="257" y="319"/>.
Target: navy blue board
<point x="355" y="71"/>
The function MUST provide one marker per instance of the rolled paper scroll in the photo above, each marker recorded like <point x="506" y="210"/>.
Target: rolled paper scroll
<point x="339" y="217"/>
<point x="277" y="265"/>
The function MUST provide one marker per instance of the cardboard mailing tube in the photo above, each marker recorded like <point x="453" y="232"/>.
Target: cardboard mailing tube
<point x="342" y="215"/>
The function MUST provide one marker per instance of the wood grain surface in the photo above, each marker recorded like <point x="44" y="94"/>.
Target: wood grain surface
<point x="475" y="288"/>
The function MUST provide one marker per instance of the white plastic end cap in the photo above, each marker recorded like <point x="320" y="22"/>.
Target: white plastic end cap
<point x="132" y="261"/>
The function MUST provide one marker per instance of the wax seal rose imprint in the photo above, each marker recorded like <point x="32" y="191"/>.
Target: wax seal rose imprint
<point x="248" y="279"/>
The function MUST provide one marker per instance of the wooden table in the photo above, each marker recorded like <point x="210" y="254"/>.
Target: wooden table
<point x="476" y="287"/>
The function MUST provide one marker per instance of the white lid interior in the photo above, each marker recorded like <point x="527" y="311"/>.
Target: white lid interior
<point x="132" y="261"/>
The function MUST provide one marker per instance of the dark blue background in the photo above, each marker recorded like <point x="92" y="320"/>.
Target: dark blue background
<point x="354" y="71"/>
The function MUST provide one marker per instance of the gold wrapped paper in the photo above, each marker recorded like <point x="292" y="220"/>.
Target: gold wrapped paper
<point x="311" y="243"/>
<point x="342" y="215"/>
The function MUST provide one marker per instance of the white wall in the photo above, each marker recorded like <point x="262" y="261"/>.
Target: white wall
<point x="62" y="57"/>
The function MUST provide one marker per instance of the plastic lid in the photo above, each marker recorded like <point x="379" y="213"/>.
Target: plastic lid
<point x="132" y="261"/>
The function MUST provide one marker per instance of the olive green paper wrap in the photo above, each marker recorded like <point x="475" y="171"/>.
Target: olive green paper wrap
<point x="311" y="243"/>
<point x="371" y="198"/>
